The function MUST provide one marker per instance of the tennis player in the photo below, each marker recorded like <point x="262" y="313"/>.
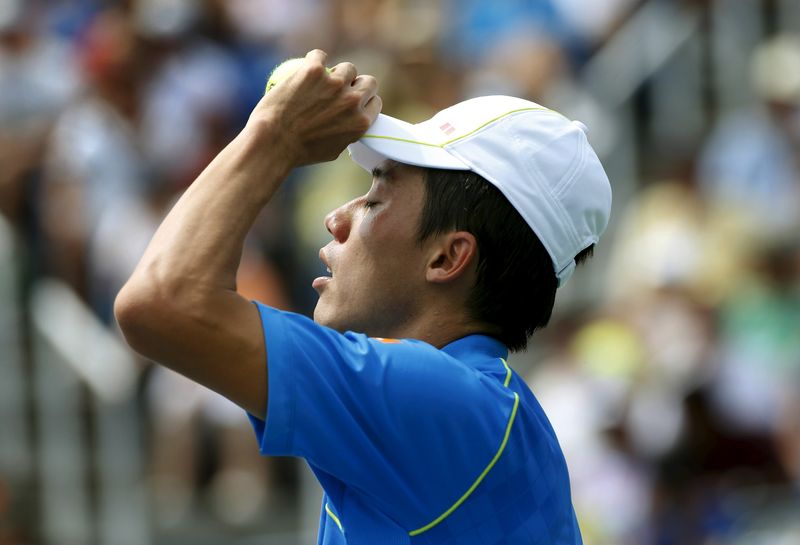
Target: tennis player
<point x="398" y="394"/>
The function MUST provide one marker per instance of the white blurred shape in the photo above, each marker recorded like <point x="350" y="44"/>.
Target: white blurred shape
<point x="655" y="420"/>
<point x="164" y="18"/>
<point x="593" y="20"/>
<point x="88" y="347"/>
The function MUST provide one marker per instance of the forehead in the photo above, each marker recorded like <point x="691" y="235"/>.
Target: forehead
<point x="392" y="173"/>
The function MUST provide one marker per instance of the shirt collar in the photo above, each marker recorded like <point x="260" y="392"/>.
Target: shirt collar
<point x="479" y="351"/>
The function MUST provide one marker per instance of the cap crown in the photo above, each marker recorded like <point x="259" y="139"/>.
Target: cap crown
<point x="540" y="160"/>
<point x="543" y="163"/>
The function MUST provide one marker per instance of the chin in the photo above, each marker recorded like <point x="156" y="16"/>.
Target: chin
<point x="319" y="314"/>
<point x="338" y="319"/>
<point x="326" y="316"/>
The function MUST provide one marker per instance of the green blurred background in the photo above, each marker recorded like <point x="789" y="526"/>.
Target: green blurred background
<point x="671" y="370"/>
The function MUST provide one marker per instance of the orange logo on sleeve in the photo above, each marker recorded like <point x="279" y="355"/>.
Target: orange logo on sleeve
<point x="386" y="341"/>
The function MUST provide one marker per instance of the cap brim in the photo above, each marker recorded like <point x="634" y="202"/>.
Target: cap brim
<point x="390" y="138"/>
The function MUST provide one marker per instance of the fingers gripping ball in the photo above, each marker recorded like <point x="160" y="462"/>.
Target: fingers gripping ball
<point x="283" y="71"/>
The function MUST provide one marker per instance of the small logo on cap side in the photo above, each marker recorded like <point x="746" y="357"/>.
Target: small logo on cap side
<point x="447" y="128"/>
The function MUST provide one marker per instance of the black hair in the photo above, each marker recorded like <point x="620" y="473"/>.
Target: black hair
<point x="516" y="285"/>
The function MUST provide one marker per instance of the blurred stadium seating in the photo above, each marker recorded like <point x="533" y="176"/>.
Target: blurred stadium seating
<point x="671" y="370"/>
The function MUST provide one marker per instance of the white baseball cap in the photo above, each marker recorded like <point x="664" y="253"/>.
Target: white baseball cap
<point x="540" y="160"/>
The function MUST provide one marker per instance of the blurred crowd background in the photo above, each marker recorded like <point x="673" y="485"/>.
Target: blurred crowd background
<point x="671" y="370"/>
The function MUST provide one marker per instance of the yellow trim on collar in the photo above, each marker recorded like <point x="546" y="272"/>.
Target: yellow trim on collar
<point x="333" y="516"/>
<point x="508" y="373"/>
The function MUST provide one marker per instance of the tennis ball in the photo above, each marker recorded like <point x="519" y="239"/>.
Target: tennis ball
<point x="283" y="71"/>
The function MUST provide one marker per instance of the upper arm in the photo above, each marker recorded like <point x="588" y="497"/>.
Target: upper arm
<point x="212" y="337"/>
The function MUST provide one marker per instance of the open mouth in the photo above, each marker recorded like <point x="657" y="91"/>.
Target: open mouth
<point x="321" y="281"/>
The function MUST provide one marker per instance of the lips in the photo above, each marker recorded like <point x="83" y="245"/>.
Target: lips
<point x="322" y="281"/>
<point x="324" y="258"/>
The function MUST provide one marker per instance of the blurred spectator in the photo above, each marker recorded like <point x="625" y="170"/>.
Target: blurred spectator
<point x="38" y="73"/>
<point x="520" y="64"/>
<point x="668" y="236"/>
<point x="703" y="483"/>
<point x="759" y="349"/>
<point x="191" y="94"/>
<point x="239" y="487"/>
<point x="594" y="21"/>
<point x="584" y="386"/>
<point x="38" y="77"/>
<point x="287" y="25"/>
<point x="94" y="160"/>
<point x="751" y="162"/>
<point x="474" y="26"/>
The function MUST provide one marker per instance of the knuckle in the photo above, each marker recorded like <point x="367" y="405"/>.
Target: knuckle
<point x="363" y="122"/>
<point x="337" y="83"/>
<point x="352" y="101"/>
<point x="315" y="70"/>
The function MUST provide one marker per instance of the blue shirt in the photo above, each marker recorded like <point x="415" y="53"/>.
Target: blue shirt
<point x="412" y="444"/>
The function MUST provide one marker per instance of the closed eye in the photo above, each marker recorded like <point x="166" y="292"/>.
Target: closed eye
<point x="370" y="204"/>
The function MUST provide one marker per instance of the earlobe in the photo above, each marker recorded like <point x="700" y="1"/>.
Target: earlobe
<point x="453" y="255"/>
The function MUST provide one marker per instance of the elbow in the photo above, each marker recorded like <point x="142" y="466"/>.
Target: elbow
<point x="137" y="315"/>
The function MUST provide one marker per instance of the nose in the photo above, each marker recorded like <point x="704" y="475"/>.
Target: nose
<point x="338" y="222"/>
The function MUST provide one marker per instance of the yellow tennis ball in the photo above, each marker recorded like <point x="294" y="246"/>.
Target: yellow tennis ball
<point x="283" y="71"/>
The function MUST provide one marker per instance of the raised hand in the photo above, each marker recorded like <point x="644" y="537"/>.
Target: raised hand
<point x="319" y="112"/>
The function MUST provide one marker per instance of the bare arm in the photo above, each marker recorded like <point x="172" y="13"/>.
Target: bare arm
<point x="180" y="306"/>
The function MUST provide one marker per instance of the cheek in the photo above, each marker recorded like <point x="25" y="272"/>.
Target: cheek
<point x="389" y="255"/>
<point x="368" y="226"/>
<point x="387" y="244"/>
<point x="393" y="226"/>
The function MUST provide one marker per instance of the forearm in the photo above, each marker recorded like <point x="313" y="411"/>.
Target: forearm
<point x="200" y="241"/>
<point x="180" y="306"/>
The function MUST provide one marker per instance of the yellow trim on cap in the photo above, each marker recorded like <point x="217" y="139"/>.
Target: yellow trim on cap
<point x="334" y="517"/>
<point x="396" y="139"/>
<point x="541" y="108"/>
<point x="480" y="478"/>
<point x="409" y="141"/>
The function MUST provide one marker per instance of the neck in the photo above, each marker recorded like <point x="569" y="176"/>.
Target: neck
<point x="440" y="325"/>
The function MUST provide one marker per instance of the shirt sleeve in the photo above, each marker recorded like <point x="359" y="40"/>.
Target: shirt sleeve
<point x="401" y="421"/>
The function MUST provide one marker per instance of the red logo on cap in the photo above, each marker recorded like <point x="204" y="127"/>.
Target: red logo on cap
<point x="447" y="128"/>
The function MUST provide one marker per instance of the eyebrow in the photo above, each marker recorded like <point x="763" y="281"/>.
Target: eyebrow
<point x="382" y="174"/>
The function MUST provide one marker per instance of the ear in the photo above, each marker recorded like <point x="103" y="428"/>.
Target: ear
<point x="453" y="253"/>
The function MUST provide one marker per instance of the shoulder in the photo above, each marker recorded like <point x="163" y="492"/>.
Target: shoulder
<point x="412" y="372"/>
<point x="299" y="334"/>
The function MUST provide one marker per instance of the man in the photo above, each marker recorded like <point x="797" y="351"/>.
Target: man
<point x="398" y="393"/>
